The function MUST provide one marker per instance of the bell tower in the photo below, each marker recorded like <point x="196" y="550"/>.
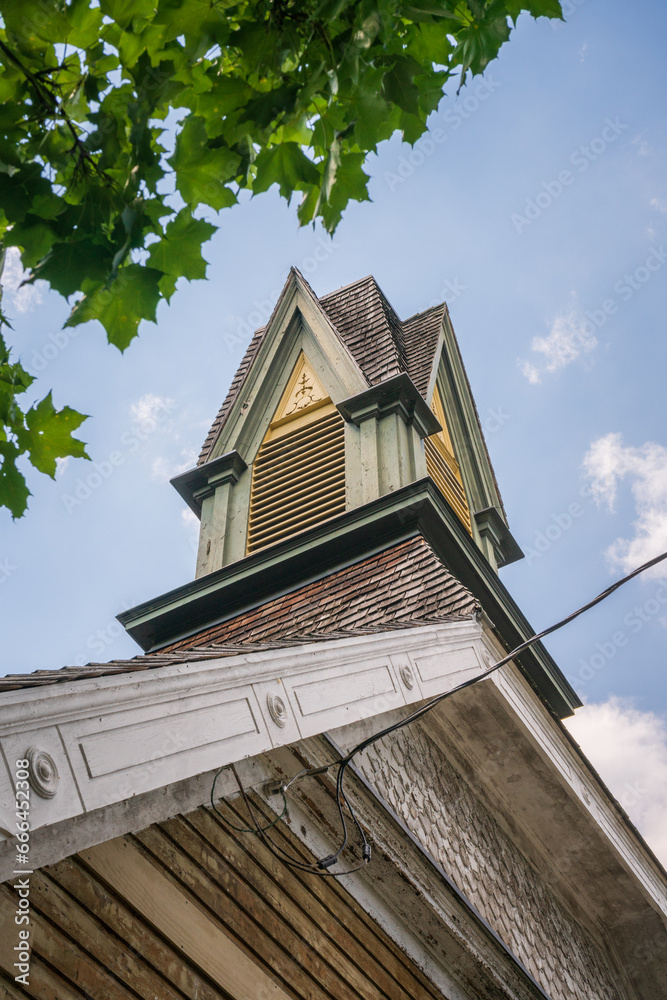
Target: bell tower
<point x="337" y="403"/>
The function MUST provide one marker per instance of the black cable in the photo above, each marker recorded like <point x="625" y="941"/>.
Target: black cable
<point x="343" y="762"/>
<point x="278" y="851"/>
<point x="243" y="829"/>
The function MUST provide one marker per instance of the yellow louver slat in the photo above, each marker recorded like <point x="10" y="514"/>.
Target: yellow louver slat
<point x="443" y="468"/>
<point x="443" y="476"/>
<point x="298" y="480"/>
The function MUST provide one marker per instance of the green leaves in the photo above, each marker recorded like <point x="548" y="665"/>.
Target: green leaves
<point x="179" y="252"/>
<point x="48" y="435"/>
<point x="286" y="166"/>
<point x="132" y="296"/>
<point x="43" y="434"/>
<point x="202" y="173"/>
<point x="291" y="95"/>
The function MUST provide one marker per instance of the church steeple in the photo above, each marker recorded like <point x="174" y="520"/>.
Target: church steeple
<point x="336" y="403"/>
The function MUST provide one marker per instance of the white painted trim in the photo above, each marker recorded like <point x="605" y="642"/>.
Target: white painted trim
<point x="117" y="736"/>
<point x="581" y="783"/>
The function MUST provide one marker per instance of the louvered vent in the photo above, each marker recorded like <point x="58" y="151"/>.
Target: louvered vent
<point x="298" y="480"/>
<point x="440" y="469"/>
<point x="443" y="468"/>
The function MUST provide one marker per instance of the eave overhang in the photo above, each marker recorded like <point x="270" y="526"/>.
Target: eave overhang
<point x="198" y="483"/>
<point x="491" y="525"/>
<point x="416" y="509"/>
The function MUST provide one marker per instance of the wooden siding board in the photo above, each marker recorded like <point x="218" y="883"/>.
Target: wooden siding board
<point x="378" y="950"/>
<point x="9" y="992"/>
<point x="259" y="931"/>
<point x="181" y="919"/>
<point x="276" y="887"/>
<point x="173" y="911"/>
<point x="73" y="962"/>
<point x="45" y="984"/>
<point x="116" y="956"/>
<point x="122" y="922"/>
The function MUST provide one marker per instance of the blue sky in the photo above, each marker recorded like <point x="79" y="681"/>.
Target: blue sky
<point x="540" y="215"/>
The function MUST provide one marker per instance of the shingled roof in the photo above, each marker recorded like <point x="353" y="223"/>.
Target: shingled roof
<point x="380" y="343"/>
<point x="404" y="586"/>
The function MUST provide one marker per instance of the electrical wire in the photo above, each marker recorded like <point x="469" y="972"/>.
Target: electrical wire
<point x="278" y="851"/>
<point x="320" y="868"/>
<point x="243" y="829"/>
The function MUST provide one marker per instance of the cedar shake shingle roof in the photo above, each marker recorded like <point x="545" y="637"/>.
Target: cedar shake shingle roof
<point x="380" y="343"/>
<point x="421" y="334"/>
<point x="404" y="586"/>
<point x="369" y="328"/>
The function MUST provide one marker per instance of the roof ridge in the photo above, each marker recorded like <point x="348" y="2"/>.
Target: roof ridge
<point x="438" y="305"/>
<point x="344" y="288"/>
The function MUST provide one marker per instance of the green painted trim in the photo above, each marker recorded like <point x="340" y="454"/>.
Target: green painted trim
<point x="491" y="524"/>
<point x="200" y="482"/>
<point x="399" y="395"/>
<point x="416" y="509"/>
<point x="465" y="427"/>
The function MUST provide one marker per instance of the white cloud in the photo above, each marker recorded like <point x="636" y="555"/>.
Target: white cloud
<point x="190" y="519"/>
<point x="165" y="468"/>
<point x="150" y="411"/>
<point x="660" y="204"/>
<point x="629" y="750"/>
<point x="568" y="339"/>
<point x="61" y="464"/>
<point x="191" y="525"/>
<point x="643" y="148"/>
<point x="22" y="298"/>
<point x="606" y="463"/>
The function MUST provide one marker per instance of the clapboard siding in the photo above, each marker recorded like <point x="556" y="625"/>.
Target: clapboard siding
<point x="192" y="910"/>
<point x="326" y="905"/>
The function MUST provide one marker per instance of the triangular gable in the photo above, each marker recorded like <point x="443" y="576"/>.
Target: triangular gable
<point x="297" y="320"/>
<point x="363" y="320"/>
<point x="304" y="392"/>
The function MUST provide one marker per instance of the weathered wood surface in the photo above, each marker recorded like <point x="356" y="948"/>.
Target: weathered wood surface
<point x="189" y="908"/>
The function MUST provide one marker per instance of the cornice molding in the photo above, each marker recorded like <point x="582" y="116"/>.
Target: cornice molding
<point x="399" y="395"/>
<point x="198" y="483"/>
<point x="491" y="525"/>
<point x="417" y="509"/>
